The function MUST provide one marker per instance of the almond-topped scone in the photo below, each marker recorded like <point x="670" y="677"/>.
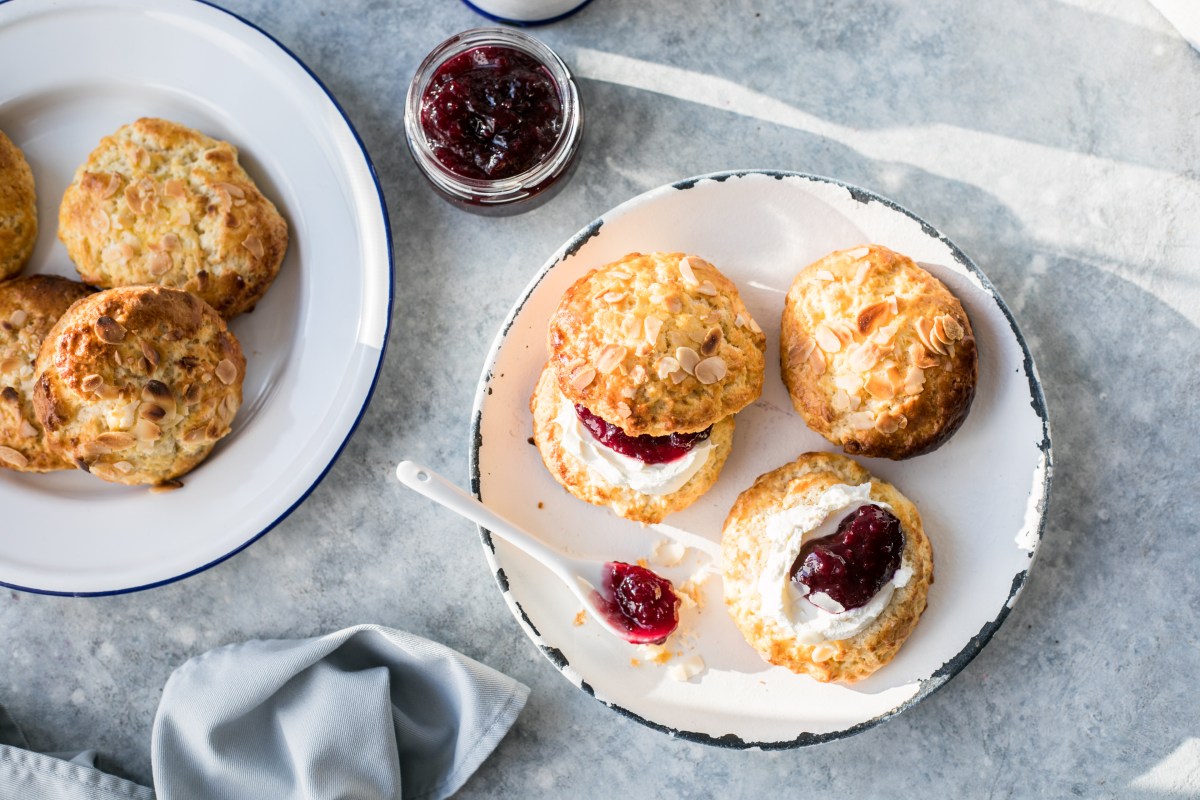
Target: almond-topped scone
<point x="160" y="203"/>
<point x="29" y="307"/>
<point x="136" y="384"/>
<point x="657" y="344"/>
<point x="650" y="357"/>
<point x="877" y="354"/>
<point x="18" y="209"/>
<point x="825" y="568"/>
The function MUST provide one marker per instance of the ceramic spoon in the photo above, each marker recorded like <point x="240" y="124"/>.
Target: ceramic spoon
<point x="632" y="602"/>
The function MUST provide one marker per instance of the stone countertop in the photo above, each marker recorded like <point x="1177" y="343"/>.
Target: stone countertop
<point x="1053" y="140"/>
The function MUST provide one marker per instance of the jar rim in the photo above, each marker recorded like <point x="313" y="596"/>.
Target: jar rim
<point x="515" y="187"/>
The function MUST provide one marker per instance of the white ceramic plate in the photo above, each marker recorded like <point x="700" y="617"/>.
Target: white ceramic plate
<point x="76" y="70"/>
<point x="981" y="495"/>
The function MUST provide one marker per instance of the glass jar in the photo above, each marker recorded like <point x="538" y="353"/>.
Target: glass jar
<point x="462" y="181"/>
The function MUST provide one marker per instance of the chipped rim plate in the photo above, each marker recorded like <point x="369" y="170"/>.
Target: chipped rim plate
<point x="314" y="345"/>
<point x="982" y="495"/>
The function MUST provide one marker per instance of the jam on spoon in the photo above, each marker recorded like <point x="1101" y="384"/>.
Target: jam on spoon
<point x="852" y="564"/>
<point x="639" y="602"/>
<point x="645" y="448"/>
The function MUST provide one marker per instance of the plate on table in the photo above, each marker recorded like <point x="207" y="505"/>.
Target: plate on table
<point x="75" y="71"/>
<point x="981" y="495"/>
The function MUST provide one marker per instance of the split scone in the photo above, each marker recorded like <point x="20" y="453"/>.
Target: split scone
<point x="650" y="357"/>
<point x="29" y="307"/>
<point x="18" y="209"/>
<point x="826" y="569"/>
<point x="135" y="385"/>
<point x="160" y="203"/>
<point x="877" y="354"/>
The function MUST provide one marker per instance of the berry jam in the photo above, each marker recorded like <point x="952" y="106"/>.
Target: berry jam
<point x="639" y="602"/>
<point x="491" y="112"/>
<point x="645" y="448"/>
<point x="852" y="564"/>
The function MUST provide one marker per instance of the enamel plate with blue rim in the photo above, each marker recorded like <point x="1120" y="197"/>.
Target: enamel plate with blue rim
<point x="981" y="495"/>
<point x="73" y="72"/>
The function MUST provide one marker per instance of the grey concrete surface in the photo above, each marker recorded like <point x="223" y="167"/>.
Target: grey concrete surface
<point x="1054" y="141"/>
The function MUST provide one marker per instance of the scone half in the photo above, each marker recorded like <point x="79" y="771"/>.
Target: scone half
<point x="643" y="493"/>
<point x="761" y="539"/>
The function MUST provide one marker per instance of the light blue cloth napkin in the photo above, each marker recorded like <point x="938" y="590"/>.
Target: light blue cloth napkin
<point x="367" y="713"/>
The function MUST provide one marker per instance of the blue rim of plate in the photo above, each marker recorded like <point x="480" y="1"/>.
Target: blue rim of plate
<point x="387" y="227"/>
<point x="524" y="23"/>
<point x="942" y="674"/>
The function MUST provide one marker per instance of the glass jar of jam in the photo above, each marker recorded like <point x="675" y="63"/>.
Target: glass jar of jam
<point x="493" y="120"/>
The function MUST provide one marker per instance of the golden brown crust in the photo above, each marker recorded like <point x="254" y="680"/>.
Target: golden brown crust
<point x="137" y="384"/>
<point x="877" y="354"/>
<point x="745" y="552"/>
<point x="160" y="203"/>
<point x="657" y="344"/>
<point x="18" y="209"/>
<point x="585" y="484"/>
<point x="29" y="307"/>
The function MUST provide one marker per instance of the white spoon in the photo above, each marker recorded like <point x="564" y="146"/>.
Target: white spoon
<point x="616" y="613"/>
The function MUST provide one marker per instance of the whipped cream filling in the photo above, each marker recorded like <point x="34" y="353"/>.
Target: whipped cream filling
<point x="818" y="618"/>
<point x="619" y="470"/>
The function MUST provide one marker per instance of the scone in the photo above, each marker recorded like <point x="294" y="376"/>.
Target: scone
<point x="649" y="358"/>
<point x="18" y="209"/>
<point x="160" y="203"/>
<point x="137" y="384"/>
<point x="877" y="354"/>
<point x="29" y="307"/>
<point x="825" y="568"/>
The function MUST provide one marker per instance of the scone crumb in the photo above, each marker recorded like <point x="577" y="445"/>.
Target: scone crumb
<point x="654" y="653"/>
<point x="580" y="618"/>
<point x="667" y="553"/>
<point x="683" y="671"/>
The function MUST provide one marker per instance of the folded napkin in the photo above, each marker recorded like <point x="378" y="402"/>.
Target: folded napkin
<point x="364" y="713"/>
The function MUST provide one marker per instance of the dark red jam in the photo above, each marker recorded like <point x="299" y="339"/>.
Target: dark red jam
<point x="639" y="602"/>
<point x="647" y="449"/>
<point x="852" y="564"/>
<point x="491" y="112"/>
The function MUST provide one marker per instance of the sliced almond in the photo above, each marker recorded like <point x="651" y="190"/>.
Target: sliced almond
<point x="827" y="339"/>
<point x="615" y="297"/>
<point x="253" y="244"/>
<point x="823" y="652"/>
<point x="631" y="325"/>
<point x="652" y="327"/>
<point x="159" y="263"/>
<point x="107" y="391"/>
<point x="195" y="436"/>
<point x="823" y="275"/>
<point x="158" y="393"/>
<point x="27" y="429"/>
<point x="666" y="366"/>
<point x="857" y="252"/>
<point x="914" y="381"/>
<point x="816" y="360"/>
<point x="860" y="275"/>
<point x="226" y="372"/>
<point x="624" y="410"/>
<point x="10" y="364"/>
<point x="166" y="486"/>
<point x="610" y="358"/>
<point x="953" y="329"/>
<point x="754" y="326"/>
<point x="707" y="289"/>
<point x="863" y="357"/>
<point x="117" y="440"/>
<point x="109" y="331"/>
<point x="687" y="273"/>
<point x="849" y="383"/>
<point x="100" y="221"/>
<point x="924" y="330"/>
<point x="678" y="377"/>
<point x="146" y="431"/>
<point x="888" y="422"/>
<point x="13" y="458"/>
<point x="151" y="355"/>
<point x="688" y="359"/>
<point x="879" y="387"/>
<point x="583" y="378"/>
<point x="637" y="375"/>
<point x="711" y="370"/>
<point x="921" y="357"/>
<point x="123" y="467"/>
<point x="872" y="316"/>
<point x="91" y="383"/>
<point x="841" y="401"/>
<point x="174" y="188"/>
<point x="152" y="411"/>
<point x="740" y="320"/>
<point x="800" y="350"/>
<point x="712" y="341"/>
<point x="672" y="304"/>
<point x="861" y="420"/>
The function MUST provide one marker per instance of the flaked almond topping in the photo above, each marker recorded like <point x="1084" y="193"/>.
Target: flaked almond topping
<point x="860" y="275"/>
<point x="159" y="263"/>
<point x="620" y="275"/>
<point x="152" y="411"/>
<point x="228" y="409"/>
<point x="872" y="316"/>
<point x="924" y="330"/>
<point x="13" y="458"/>
<point x="109" y="330"/>
<point x="888" y="423"/>
<point x="841" y="401"/>
<point x="858" y="252"/>
<point x="666" y="366"/>
<point x="574" y="363"/>
<point x="879" y="387"/>
<point x="863" y="357"/>
<point x="156" y="392"/>
<point x="233" y="189"/>
<point x="174" y="188"/>
<point x="920" y="357"/>
<point x="754" y="326"/>
<point x="707" y="288"/>
<point x="861" y="420"/>
<point x="116" y="440"/>
<point x="687" y="273"/>
<point x="822" y="275"/>
<point x="91" y="383"/>
<point x="583" y="378"/>
<point x="151" y="355"/>
<point x="191" y="394"/>
<point x="678" y="377"/>
<point x="643" y="349"/>
<point x="100" y="221"/>
<point x="711" y="370"/>
<point x="672" y="304"/>
<point x="195" y="436"/>
<point x="638" y="375"/>
<point x="614" y="297"/>
<point x="801" y="350"/>
<point x="624" y="410"/>
<point x="652" y="327"/>
<point x="688" y="359"/>
<point x="953" y="329"/>
<point x="166" y="486"/>
<point x="254" y="245"/>
<point x="90" y="451"/>
<point x="610" y="358"/>
<point x="124" y="467"/>
<point x="938" y="332"/>
<point x="628" y="392"/>
<point x="215" y="429"/>
<point x="631" y="325"/>
<point x="827" y="339"/>
<point x="823" y="652"/>
<point x="10" y="364"/>
<point x="816" y="360"/>
<point x="851" y="383"/>
<point x="27" y="429"/>
<point x="107" y="391"/>
<point x="712" y="341"/>
<point x="226" y="372"/>
<point x="146" y="430"/>
<point x="914" y="381"/>
<point x="740" y="320"/>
